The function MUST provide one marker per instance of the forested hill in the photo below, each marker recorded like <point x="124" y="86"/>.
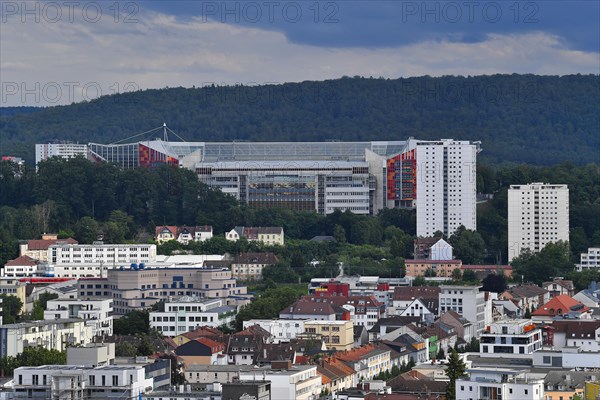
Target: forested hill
<point x="518" y="118"/>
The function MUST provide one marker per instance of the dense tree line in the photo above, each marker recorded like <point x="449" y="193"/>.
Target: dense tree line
<point x="85" y="200"/>
<point x="32" y="357"/>
<point x="518" y="118"/>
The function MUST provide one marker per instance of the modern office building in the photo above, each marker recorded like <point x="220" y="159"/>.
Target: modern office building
<point x="138" y="289"/>
<point x="538" y="213"/>
<point x="188" y="313"/>
<point x="59" y="149"/>
<point x="507" y="338"/>
<point x="363" y="177"/>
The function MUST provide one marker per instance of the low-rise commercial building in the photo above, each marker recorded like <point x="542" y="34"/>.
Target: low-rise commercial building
<point x="136" y="289"/>
<point x="75" y="382"/>
<point x="439" y="268"/>
<point x="188" y="313"/>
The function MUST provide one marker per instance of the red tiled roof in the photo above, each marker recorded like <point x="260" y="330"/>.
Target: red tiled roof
<point x="561" y="304"/>
<point x="41" y="244"/>
<point x="170" y="228"/>
<point x="416" y="292"/>
<point x="22" y="260"/>
<point x="215" y="347"/>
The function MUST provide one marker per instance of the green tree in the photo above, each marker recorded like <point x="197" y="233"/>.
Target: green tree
<point x="11" y="308"/>
<point x="553" y="260"/>
<point x="87" y="230"/>
<point x="456" y="274"/>
<point x="456" y="369"/>
<point x="37" y="313"/>
<point x="132" y="323"/>
<point x="125" y="349"/>
<point x="468" y="246"/>
<point x="44" y="297"/>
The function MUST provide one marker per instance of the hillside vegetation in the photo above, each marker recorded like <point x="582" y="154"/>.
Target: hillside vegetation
<point x="531" y="119"/>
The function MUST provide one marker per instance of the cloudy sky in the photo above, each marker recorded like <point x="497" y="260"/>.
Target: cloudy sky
<point x="55" y="52"/>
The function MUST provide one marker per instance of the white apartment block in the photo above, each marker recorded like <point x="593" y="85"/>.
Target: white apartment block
<point x="538" y="213"/>
<point x="105" y="254"/>
<point x="76" y="382"/>
<point x="96" y="313"/>
<point x="446" y="186"/>
<point x="589" y="260"/>
<point x="467" y="301"/>
<point x="499" y="383"/>
<point x="52" y="334"/>
<point x="281" y="330"/>
<point x="508" y="338"/>
<point x="63" y="150"/>
<point x="189" y="313"/>
<point x="300" y="382"/>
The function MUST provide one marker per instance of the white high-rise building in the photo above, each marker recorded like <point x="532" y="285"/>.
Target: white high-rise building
<point x="538" y="213"/>
<point x="446" y="186"/>
<point x="64" y="150"/>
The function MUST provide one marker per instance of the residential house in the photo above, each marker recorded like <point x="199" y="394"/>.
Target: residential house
<point x="385" y="325"/>
<point x="368" y="361"/>
<point x="202" y="351"/>
<point x="415" y="382"/>
<point x="337" y="335"/>
<point x="336" y="375"/>
<point x="499" y="383"/>
<point x="55" y="334"/>
<point x="363" y="310"/>
<point x="281" y="330"/>
<point x="249" y="266"/>
<point x="244" y="347"/>
<point x="183" y="234"/>
<point x="464" y="328"/>
<point x="559" y="306"/>
<point x="509" y="338"/>
<point x="406" y="340"/>
<point x="269" y="236"/>
<point x="422" y="249"/>
<point x="307" y="309"/>
<point x="583" y="334"/>
<point x="559" y="286"/>
<point x="567" y="384"/>
<point x="405" y="296"/>
<point x="590" y="296"/>
<point x="203" y="331"/>
<point x="527" y="297"/>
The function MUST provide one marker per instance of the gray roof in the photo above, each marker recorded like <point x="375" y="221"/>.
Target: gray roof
<point x="570" y="379"/>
